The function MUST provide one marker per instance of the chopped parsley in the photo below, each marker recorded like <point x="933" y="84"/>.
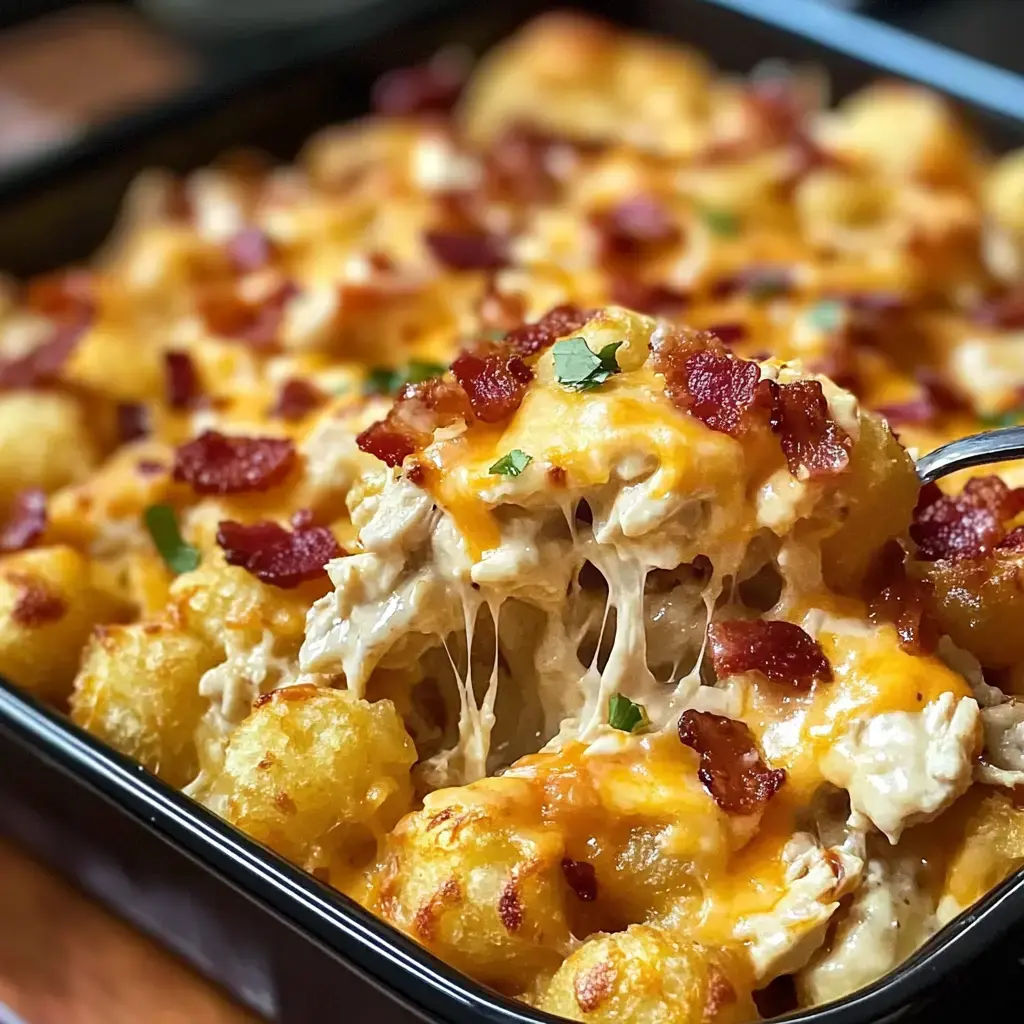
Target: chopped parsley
<point x="381" y="380"/>
<point x="512" y="464"/>
<point x="827" y="315"/>
<point x="719" y="221"/>
<point x="162" y="524"/>
<point x="624" y="715"/>
<point x="579" y="368"/>
<point x="1007" y="418"/>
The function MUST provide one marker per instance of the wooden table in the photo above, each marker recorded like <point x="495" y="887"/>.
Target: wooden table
<point x="65" y="960"/>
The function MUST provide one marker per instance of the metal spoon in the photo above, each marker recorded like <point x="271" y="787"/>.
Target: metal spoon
<point x="976" y="450"/>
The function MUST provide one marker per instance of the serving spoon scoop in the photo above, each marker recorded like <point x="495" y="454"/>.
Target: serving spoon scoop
<point x="976" y="450"/>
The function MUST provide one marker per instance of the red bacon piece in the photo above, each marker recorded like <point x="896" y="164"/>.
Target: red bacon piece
<point x="227" y="314"/>
<point x="937" y="396"/>
<point x="780" y="651"/>
<point x="278" y="556"/>
<point x="26" y="521"/>
<point x="418" y="411"/>
<point x="521" y="164"/>
<point x="1013" y="541"/>
<point x="896" y="598"/>
<point x="431" y="88"/>
<point x="529" y="339"/>
<point x="731" y="767"/>
<point x="494" y="378"/>
<point x="635" y="226"/>
<point x="964" y="525"/>
<point x="214" y="463"/>
<point x="813" y="443"/>
<point x="467" y="250"/>
<point x="132" y="421"/>
<point x="297" y="399"/>
<point x="653" y="299"/>
<point x="721" y="390"/>
<point x="250" y="249"/>
<point x="181" y="380"/>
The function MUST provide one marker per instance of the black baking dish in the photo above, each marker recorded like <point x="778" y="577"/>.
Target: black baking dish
<point x="277" y="939"/>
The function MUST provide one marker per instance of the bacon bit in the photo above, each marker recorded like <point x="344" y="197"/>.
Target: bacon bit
<point x="510" y="908"/>
<point x="1013" y="541"/>
<point x="937" y="396"/>
<point x="721" y="390"/>
<point x="581" y="877"/>
<point x="636" y="226"/>
<point x="35" y="604"/>
<point x="26" y="522"/>
<point x="43" y="364"/>
<point x="1004" y="312"/>
<point x="214" y="463"/>
<point x="529" y="339"/>
<point x="593" y="985"/>
<point x="494" y="378"/>
<point x="965" y="525"/>
<point x="895" y="598"/>
<point x="297" y="399"/>
<point x="181" y="380"/>
<point x="780" y="651"/>
<point x="653" y="299"/>
<point x="813" y="443"/>
<point x="132" y="421"/>
<point x="250" y="249"/>
<point x="731" y="767"/>
<point x="409" y="426"/>
<point x="466" y="250"/>
<point x="228" y="315"/>
<point x="518" y="165"/>
<point x="729" y="333"/>
<point x="431" y="88"/>
<point x="276" y="556"/>
<point x="149" y="467"/>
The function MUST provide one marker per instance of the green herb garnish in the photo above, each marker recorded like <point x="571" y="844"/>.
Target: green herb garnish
<point x="719" y="221"/>
<point x="1008" y="418"/>
<point x="512" y="464"/>
<point x="623" y="714"/>
<point x="827" y="316"/>
<point x="381" y="380"/>
<point x="579" y="368"/>
<point x="162" y="524"/>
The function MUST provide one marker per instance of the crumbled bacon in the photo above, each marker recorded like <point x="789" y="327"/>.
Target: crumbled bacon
<point x="227" y="314"/>
<point x="519" y="165"/>
<point x="494" y="378"/>
<point x="181" y="380"/>
<point x="297" y="399"/>
<point x="250" y="249"/>
<point x="721" y="390"/>
<point x="277" y="556"/>
<point x="467" y="250"/>
<point x="653" y="299"/>
<point x="896" y="598"/>
<point x="964" y="525"/>
<point x="529" y="339"/>
<point x="779" y="651"/>
<point x="581" y="878"/>
<point x="1013" y="541"/>
<point x="731" y="767"/>
<point x="214" y="463"/>
<point x="635" y="226"/>
<point x="813" y="443"/>
<point x="132" y="421"/>
<point x="937" y="396"/>
<point x="418" y="411"/>
<point x="25" y="522"/>
<point x="1004" y="312"/>
<point x="431" y="88"/>
<point x="729" y="332"/>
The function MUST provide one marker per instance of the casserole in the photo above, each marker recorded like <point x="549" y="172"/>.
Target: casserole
<point x="592" y="331"/>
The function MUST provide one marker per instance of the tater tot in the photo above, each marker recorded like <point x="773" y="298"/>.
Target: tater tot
<point x="48" y="606"/>
<point x="476" y="880"/>
<point x="646" y="976"/>
<point x="313" y="772"/>
<point x="44" y="442"/>
<point x="138" y="690"/>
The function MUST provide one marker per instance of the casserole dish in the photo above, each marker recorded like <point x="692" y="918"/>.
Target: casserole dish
<point x="425" y="990"/>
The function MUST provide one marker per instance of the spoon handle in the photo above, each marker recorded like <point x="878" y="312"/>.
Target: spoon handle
<point x="976" y="450"/>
